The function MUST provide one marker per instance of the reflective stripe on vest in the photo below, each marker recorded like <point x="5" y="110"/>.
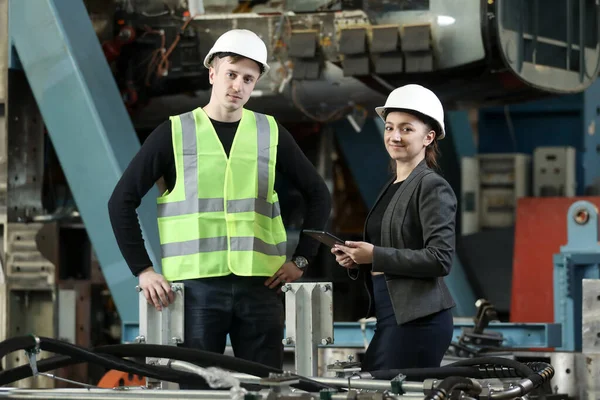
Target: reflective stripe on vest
<point x="191" y="206"/>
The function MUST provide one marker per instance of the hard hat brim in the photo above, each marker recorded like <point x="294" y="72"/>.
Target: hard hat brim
<point x="439" y="135"/>
<point x="266" y="67"/>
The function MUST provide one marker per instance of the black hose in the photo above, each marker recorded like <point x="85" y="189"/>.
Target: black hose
<point x="451" y="383"/>
<point x="206" y="359"/>
<point x="79" y="354"/>
<point x="479" y="368"/>
<point x="104" y="354"/>
<point x="500" y="372"/>
<point x="543" y="372"/>
<point x="24" y="371"/>
<point x="420" y="374"/>
<point x="521" y="368"/>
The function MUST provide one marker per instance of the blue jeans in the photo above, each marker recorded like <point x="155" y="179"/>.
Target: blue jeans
<point x="421" y="343"/>
<point x="243" y="307"/>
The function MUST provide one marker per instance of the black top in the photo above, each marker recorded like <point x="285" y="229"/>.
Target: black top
<point x="374" y="222"/>
<point x="156" y="159"/>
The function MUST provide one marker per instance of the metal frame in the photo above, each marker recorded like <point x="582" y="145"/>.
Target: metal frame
<point x="164" y="327"/>
<point x="309" y="322"/>
<point x="525" y="336"/>
<point x="89" y="127"/>
<point x="579" y="259"/>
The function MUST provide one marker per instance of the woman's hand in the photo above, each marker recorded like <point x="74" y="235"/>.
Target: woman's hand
<point x="357" y="252"/>
<point x="343" y="259"/>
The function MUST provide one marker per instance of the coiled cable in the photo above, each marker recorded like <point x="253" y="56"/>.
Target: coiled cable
<point x="78" y="354"/>
<point x="451" y="383"/>
<point x="108" y="356"/>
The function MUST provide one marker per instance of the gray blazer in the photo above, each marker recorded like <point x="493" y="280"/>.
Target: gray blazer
<point x="417" y="244"/>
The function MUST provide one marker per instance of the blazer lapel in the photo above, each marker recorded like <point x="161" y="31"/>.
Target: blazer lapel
<point x="396" y="210"/>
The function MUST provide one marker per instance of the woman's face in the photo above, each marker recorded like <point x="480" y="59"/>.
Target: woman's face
<point x="406" y="136"/>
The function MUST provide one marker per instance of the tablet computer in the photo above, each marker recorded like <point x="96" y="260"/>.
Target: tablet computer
<point x="324" y="237"/>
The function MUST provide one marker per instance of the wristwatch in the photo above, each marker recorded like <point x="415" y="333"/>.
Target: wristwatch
<point x="301" y="262"/>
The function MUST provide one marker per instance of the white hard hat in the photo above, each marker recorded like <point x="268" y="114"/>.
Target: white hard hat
<point x="416" y="98"/>
<point x="243" y="42"/>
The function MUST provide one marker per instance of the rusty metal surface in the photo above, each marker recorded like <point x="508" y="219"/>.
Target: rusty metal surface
<point x="26" y="266"/>
<point x="30" y="312"/>
<point x="25" y="150"/>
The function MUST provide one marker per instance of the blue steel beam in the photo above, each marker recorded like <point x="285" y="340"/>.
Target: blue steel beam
<point x="579" y="259"/>
<point x="461" y="134"/>
<point x="539" y="335"/>
<point x="459" y="131"/>
<point x="524" y="336"/>
<point x="89" y="127"/>
<point x="520" y="336"/>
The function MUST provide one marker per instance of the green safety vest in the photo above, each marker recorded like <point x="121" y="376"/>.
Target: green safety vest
<point x="223" y="214"/>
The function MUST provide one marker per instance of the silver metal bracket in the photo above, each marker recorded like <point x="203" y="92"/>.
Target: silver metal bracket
<point x="345" y="369"/>
<point x="32" y="356"/>
<point x="164" y="327"/>
<point x="308" y="322"/>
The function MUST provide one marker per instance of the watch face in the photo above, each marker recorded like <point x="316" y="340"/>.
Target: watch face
<point x="301" y="262"/>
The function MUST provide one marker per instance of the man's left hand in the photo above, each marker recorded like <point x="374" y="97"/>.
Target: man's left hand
<point x="359" y="252"/>
<point x="288" y="272"/>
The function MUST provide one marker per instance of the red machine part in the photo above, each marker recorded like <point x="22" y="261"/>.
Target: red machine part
<point x="112" y="48"/>
<point x="540" y="231"/>
<point x="114" y="378"/>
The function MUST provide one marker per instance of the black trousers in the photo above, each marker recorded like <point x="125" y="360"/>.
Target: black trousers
<point x="416" y="344"/>
<point x="241" y="307"/>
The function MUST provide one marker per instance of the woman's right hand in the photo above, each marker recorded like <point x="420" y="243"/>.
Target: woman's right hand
<point x="343" y="259"/>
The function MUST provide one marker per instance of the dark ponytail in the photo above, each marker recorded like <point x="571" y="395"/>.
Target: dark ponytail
<point x="431" y="154"/>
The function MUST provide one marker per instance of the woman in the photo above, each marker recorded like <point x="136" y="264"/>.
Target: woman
<point x="409" y="239"/>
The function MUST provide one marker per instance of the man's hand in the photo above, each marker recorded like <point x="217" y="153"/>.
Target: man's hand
<point x="156" y="288"/>
<point x="358" y="252"/>
<point x="288" y="272"/>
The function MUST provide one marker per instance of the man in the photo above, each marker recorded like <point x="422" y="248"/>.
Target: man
<point x="219" y="221"/>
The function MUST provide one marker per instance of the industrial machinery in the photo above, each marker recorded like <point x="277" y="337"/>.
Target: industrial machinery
<point x="308" y="319"/>
<point x="83" y="82"/>
<point x="352" y="53"/>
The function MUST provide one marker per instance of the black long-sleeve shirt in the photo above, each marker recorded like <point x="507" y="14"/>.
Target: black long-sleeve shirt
<point x="156" y="159"/>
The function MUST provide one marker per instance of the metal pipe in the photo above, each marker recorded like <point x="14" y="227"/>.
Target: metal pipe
<point x="111" y="394"/>
<point x="224" y="379"/>
<point x="128" y="394"/>
<point x="370" y="384"/>
<point x="521" y="388"/>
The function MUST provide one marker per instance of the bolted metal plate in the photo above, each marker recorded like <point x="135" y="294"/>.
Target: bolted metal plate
<point x="164" y="327"/>
<point x="416" y="37"/>
<point x="355" y="65"/>
<point x="388" y="63"/>
<point x="25" y="162"/>
<point x="418" y="61"/>
<point x="590" y="313"/>
<point x="385" y="39"/>
<point x="24" y="261"/>
<point x="303" y="44"/>
<point x="353" y="41"/>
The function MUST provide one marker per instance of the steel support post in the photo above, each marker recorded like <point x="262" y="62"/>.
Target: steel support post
<point x="579" y="259"/>
<point x="164" y="327"/>
<point x="309" y="322"/>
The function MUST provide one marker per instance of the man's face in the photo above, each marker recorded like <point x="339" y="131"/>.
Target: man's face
<point x="233" y="83"/>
